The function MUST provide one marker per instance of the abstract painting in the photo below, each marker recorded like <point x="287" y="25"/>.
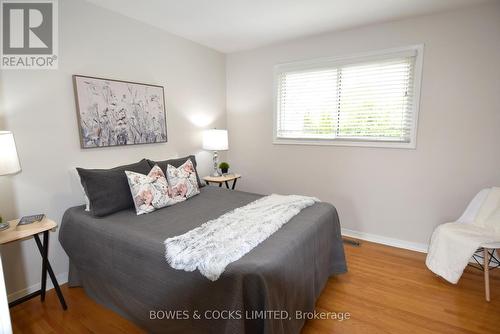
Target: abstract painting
<point x="113" y="112"/>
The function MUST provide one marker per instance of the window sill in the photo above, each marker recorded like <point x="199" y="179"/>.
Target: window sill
<point x="341" y="142"/>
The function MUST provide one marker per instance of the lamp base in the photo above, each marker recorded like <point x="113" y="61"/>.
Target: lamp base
<point x="216" y="164"/>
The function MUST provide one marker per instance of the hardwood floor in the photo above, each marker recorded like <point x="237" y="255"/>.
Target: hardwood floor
<point x="387" y="290"/>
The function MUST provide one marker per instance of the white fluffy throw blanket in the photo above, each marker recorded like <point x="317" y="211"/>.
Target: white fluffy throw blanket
<point x="453" y="244"/>
<point x="218" y="242"/>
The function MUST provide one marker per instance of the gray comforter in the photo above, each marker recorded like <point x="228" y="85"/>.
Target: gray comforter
<point x="119" y="260"/>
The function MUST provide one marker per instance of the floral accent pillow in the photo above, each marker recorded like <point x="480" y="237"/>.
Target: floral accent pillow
<point x="151" y="192"/>
<point x="183" y="180"/>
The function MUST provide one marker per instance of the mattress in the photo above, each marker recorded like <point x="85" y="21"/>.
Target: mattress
<point x="120" y="262"/>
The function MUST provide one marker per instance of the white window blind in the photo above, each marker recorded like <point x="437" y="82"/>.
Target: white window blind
<point x="372" y="100"/>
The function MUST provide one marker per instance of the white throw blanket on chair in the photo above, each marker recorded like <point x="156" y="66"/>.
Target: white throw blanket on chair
<point x="453" y="244"/>
<point x="218" y="242"/>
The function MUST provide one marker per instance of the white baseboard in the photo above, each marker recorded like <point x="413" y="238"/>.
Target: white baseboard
<point x="379" y="239"/>
<point x="61" y="279"/>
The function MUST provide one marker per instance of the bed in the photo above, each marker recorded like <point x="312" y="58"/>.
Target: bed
<point x="119" y="261"/>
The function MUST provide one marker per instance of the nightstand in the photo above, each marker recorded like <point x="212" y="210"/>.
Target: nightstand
<point x="223" y="179"/>
<point x="13" y="234"/>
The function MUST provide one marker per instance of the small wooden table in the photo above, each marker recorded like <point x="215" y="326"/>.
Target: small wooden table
<point x="33" y="230"/>
<point x="223" y="179"/>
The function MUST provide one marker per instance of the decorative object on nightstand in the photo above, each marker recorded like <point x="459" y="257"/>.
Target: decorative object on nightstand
<point x="224" y="167"/>
<point x="13" y="234"/>
<point x="223" y="179"/>
<point x="215" y="140"/>
<point x="9" y="161"/>
<point x="26" y="221"/>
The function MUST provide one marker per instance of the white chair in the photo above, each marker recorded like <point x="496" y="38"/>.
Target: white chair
<point x="487" y="249"/>
<point x="484" y="256"/>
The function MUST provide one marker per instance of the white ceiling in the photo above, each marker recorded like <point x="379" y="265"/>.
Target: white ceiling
<point x="235" y="25"/>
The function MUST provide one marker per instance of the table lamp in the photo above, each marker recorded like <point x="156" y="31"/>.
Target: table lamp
<point x="215" y="140"/>
<point x="9" y="162"/>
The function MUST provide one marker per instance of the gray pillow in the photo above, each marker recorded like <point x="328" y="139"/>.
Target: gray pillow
<point x="107" y="189"/>
<point x="176" y="163"/>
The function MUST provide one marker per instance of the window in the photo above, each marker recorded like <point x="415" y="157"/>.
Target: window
<point x="369" y="100"/>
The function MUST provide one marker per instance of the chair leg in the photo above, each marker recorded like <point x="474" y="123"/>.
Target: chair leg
<point x="487" y="274"/>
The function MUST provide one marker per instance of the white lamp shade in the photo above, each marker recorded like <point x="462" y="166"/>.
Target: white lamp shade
<point x="9" y="162"/>
<point x="215" y="140"/>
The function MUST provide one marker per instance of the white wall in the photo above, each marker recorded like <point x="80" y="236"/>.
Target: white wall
<point x="39" y="107"/>
<point x="395" y="193"/>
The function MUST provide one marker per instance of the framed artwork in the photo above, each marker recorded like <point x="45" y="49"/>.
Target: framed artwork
<point x="114" y="112"/>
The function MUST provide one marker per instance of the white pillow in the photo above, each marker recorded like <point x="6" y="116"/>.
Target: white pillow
<point x="183" y="180"/>
<point x="87" y="201"/>
<point x="151" y="192"/>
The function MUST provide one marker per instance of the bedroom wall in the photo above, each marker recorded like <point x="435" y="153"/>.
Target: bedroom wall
<point x="391" y="195"/>
<point x="38" y="106"/>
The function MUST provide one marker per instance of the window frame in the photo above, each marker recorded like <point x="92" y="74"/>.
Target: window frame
<point x="352" y="60"/>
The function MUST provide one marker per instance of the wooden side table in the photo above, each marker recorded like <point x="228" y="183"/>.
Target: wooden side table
<point x="223" y="179"/>
<point x="13" y="234"/>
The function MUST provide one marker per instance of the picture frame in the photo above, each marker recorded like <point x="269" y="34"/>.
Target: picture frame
<point x="113" y="112"/>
